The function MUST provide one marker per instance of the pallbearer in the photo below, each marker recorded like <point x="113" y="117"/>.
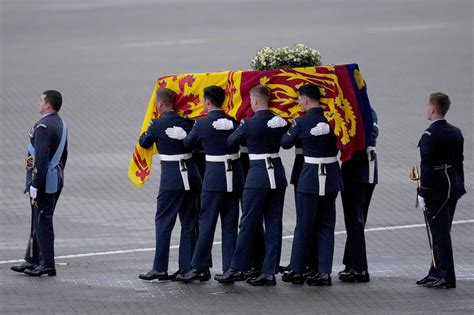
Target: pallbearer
<point x="360" y="175"/>
<point x="318" y="186"/>
<point x="180" y="184"/>
<point x="264" y="191"/>
<point x="222" y="185"/>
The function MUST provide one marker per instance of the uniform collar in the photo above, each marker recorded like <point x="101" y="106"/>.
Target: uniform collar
<point x="438" y="121"/>
<point x="170" y="112"/>
<point x="262" y="111"/>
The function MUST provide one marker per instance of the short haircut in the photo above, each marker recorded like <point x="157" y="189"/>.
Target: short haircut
<point x="54" y="98"/>
<point x="441" y="102"/>
<point x="215" y="94"/>
<point x="166" y="96"/>
<point x="311" y="91"/>
<point x="262" y="92"/>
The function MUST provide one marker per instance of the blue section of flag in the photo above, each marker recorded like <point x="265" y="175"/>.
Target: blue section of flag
<point x="363" y="102"/>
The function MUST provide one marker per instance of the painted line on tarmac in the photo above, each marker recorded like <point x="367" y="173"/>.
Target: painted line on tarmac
<point x="286" y="237"/>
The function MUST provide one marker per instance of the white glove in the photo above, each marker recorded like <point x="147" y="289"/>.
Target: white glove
<point x="421" y="202"/>
<point x="177" y="133"/>
<point x="276" y="122"/>
<point x="320" y="129"/>
<point x="223" y="124"/>
<point x="33" y="192"/>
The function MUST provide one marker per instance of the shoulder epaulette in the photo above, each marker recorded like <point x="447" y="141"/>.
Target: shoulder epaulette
<point x="426" y="132"/>
<point x="41" y="125"/>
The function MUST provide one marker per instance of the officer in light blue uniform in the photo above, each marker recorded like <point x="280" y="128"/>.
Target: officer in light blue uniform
<point x="222" y="185"/>
<point x="264" y="191"/>
<point x="47" y="155"/>
<point x="318" y="186"/>
<point x="442" y="184"/>
<point x="180" y="184"/>
<point x="360" y="175"/>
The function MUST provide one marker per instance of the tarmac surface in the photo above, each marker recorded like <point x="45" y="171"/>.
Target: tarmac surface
<point x="105" y="55"/>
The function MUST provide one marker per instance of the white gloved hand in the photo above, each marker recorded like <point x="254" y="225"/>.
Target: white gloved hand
<point x="33" y="192"/>
<point x="177" y="133"/>
<point x="223" y="124"/>
<point x="320" y="129"/>
<point x="276" y="122"/>
<point x="421" y="202"/>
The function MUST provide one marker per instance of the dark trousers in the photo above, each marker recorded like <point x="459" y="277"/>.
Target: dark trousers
<point x="41" y="242"/>
<point x="441" y="234"/>
<point x="214" y="203"/>
<point x="258" y="247"/>
<point x="356" y="201"/>
<point x="314" y="213"/>
<point x="258" y="203"/>
<point x="170" y="204"/>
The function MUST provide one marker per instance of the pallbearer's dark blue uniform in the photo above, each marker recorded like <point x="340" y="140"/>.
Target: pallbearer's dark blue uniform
<point x="180" y="184"/>
<point x="48" y="146"/>
<point x="360" y="175"/>
<point x="264" y="191"/>
<point x="221" y="189"/>
<point x="442" y="184"/>
<point x="318" y="186"/>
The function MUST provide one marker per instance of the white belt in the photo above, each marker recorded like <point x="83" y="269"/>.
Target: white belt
<point x="298" y="151"/>
<point x="221" y="158"/>
<point x="267" y="157"/>
<point x="244" y="150"/>
<point x="182" y="165"/>
<point x="371" y="165"/>
<point x="228" y="166"/>
<point x="322" y="171"/>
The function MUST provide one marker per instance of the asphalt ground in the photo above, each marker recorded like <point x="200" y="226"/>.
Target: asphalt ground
<point x="105" y="55"/>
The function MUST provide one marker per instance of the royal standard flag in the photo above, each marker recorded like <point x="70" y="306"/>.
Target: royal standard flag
<point x="343" y="98"/>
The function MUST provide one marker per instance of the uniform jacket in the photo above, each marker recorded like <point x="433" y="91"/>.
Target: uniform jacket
<point x="45" y="137"/>
<point x="314" y="146"/>
<point x="214" y="142"/>
<point x="441" y="144"/>
<point x="170" y="170"/>
<point x="260" y="139"/>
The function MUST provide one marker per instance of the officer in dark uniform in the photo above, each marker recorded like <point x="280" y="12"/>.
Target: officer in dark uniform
<point x="318" y="186"/>
<point x="441" y="185"/>
<point x="360" y="176"/>
<point x="47" y="155"/>
<point x="222" y="185"/>
<point x="180" y="184"/>
<point x="264" y="191"/>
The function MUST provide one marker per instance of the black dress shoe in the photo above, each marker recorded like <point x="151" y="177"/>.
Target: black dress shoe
<point x="193" y="274"/>
<point x="154" y="275"/>
<point x="320" y="279"/>
<point x="252" y="273"/>
<point x="230" y="276"/>
<point x="293" y="277"/>
<point x="341" y="274"/>
<point x="41" y="270"/>
<point x="24" y="266"/>
<point x="356" y="276"/>
<point x="263" y="280"/>
<point x="426" y="280"/>
<point x="282" y="269"/>
<point x="442" y="284"/>
<point x="173" y="276"/>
